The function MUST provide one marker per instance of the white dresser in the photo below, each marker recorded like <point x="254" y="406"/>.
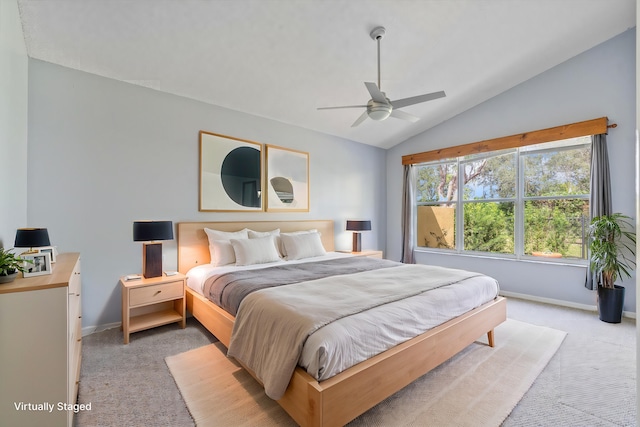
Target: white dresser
<point x="40" y="346"/>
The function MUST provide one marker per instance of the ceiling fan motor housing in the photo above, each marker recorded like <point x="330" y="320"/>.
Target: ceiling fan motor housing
<point x="378" y="110"/>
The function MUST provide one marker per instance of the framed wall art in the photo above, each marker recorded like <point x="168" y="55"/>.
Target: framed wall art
<point x="230" y="174"/>
<point x="287" y="180"/>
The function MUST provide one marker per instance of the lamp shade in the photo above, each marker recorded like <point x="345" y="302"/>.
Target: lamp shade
<point x="358" y="225"/>
<point x="147" y="231"/>
<point x="32" y="238"/>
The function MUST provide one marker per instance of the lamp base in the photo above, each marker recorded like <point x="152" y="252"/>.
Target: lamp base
<point x="357" y="246"/>
<point x="151" y="260"/>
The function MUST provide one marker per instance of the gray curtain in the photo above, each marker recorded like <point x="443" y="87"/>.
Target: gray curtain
<point x="408" y="208"/>
<point x="600" y="197"/>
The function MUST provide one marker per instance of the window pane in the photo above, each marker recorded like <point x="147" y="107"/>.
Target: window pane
<point x="488" y="227"/>
<point x="491" y="178"/>
<point x="556" y="228"/>
<point x="436" y="227"/>
<point x="437" y="183"/>
<point x="557" y="173"/>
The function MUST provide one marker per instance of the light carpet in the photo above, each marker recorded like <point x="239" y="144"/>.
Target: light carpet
<point x="479" y="386"/>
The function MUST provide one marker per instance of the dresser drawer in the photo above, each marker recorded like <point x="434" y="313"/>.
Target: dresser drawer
<point x="155" y="293"/>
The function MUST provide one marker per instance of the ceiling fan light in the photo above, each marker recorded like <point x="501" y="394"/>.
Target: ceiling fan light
<point x="379" y="112"/>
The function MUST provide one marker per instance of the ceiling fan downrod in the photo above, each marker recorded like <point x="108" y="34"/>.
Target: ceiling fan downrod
<point x="377" y="34"/>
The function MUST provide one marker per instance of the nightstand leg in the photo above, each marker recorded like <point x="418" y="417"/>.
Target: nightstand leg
<point x="181" y="307"/>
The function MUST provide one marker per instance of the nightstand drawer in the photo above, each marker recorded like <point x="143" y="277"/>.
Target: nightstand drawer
<point x="156" y="293"/>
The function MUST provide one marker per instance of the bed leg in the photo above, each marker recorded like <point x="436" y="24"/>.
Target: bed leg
<point x="490" y="337"/>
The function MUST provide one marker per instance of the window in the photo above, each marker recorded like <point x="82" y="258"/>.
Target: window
<point x="524" y="201"/>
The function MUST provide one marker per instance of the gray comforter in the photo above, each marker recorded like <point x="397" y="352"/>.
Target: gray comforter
<point x="272" y="325"/>
<point x="228" y="290"/>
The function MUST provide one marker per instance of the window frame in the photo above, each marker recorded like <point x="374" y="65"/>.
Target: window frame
<point x="523" y="198"/>
<point x="518" y="200"/>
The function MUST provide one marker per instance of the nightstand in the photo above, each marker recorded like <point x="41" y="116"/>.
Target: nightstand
<point x="147" y="303"/>
<point x="367" y="253"/>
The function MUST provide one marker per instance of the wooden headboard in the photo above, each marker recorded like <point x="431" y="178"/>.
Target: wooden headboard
<point x="193" y="245"/>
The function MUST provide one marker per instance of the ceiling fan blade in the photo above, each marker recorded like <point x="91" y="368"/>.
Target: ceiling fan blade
<point x="375" y="93"/>
<point x="404" y="116"/>
<point x="360" y="119"/>
<point x="345" y="106"/>
<point x="399" y="103"/>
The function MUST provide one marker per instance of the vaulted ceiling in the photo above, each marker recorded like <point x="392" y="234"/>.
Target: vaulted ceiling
<point x="281" y="59"/>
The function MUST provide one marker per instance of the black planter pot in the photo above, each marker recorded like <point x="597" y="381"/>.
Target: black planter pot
<point x="610" y="303"/>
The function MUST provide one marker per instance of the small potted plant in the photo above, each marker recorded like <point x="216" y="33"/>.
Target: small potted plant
<point x="612" y="255"/>
<point x="10" y="265"/>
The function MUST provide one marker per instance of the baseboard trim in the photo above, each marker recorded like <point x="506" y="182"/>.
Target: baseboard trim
<point x="587" y="307"/>
<point x="88" y="330"/>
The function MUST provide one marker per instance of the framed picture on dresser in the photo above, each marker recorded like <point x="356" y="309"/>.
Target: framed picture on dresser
<point x="50" y="250"/>
<point x="36" y="264"/>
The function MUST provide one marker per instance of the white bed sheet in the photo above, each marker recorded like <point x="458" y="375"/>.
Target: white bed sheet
<point x="353" y="339"/>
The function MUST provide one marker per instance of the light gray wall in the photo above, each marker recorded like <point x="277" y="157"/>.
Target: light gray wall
<point x="600" y="82"/>
<point x="637" y="196"/>
<point x="103" y="154"/>
<point x="13" y="123"/>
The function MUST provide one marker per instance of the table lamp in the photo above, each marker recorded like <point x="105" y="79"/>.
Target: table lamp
<point x="32" y="238"/>
<point x="357" y="227"/>
<point x="150" y="232"/>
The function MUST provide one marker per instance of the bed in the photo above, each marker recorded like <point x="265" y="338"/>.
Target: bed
<point x="322" y="403"/>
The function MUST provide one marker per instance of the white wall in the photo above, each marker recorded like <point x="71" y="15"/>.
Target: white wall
<point x="103" y="154"/>
<point x="600" y="82"/>
<point x="13" y="123"/>
<point x="637" y="193"/>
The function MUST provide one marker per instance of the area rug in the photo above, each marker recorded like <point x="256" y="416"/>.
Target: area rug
<point x="479" y="386"/>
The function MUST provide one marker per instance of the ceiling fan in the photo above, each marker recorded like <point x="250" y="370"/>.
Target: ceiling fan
<point x="379" y="106"/>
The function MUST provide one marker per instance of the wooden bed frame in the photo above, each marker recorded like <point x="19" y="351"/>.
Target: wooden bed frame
<point x="340" y="399"/>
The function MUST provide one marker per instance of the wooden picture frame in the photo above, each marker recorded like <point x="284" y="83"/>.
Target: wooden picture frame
<point x="230" y="174"/>
<point x="36" y="264"/>
<point x="287" y="179"/>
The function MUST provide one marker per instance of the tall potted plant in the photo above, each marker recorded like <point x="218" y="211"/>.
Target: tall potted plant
<point x="10" y="265"/>
<point x="612" y="255"/>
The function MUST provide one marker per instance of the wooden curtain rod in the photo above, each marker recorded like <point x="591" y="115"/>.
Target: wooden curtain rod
<point x="573" y="130"/>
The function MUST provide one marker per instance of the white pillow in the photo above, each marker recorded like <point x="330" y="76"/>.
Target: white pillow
<point x="254" y="234"/>
<point x="303" y="245"/>
<point x="275" y="233"/>
<point x="255" y="251"/>
<point x="222" y="254"/>
<point x="283" y="250"/>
